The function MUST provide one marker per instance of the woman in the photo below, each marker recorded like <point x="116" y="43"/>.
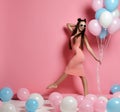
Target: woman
<point x="75" y="65"/>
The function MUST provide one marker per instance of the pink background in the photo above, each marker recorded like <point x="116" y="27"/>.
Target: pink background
<point x="34" y="46"/>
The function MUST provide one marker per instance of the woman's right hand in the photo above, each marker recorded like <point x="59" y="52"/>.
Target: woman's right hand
<point x="98" y="60"/>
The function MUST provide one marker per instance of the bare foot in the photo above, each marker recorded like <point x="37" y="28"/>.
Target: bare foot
<point x="52" y="86"/>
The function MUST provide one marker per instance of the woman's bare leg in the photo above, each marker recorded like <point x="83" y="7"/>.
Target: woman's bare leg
<point x="57" y="82"/>
<point x="85" y="85"/>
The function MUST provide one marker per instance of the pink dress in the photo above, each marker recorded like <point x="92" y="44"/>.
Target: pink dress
<point x="75" y="65"/>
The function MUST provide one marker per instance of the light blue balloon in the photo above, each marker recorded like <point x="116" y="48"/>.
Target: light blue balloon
<point x="6" y="94"/>
<point x="31" y="105"/>
<point x="113" y="105"/>
<point x="103" y="33"/>
<point x="111" y="5"/>
<point x="99" y="12"/>
<point x="115" y="88"/>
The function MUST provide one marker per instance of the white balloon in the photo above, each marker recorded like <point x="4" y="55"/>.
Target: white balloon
<point x="68" y="104"/>
<point x="115" y="13"/>
<point x="115" y="26"/>
<point x="105" y="19"/>
<point x="103" y="98"/>
<point x="7" y="107"/>
<point x="39" y="98"/>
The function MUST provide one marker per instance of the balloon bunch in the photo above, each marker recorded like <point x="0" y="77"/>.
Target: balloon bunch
<point x="106" y="22"/>
<point x="107" y="18"/>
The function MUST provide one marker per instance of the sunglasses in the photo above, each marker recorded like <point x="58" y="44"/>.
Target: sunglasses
<point x="82" y="25"/>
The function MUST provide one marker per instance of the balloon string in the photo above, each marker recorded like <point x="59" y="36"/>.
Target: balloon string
<point x="102" y="44"/>
<point x="108" y="41"/>
<point x="100" y="48"/>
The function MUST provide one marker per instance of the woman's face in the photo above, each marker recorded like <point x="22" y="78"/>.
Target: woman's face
<point x="82" y="25"/>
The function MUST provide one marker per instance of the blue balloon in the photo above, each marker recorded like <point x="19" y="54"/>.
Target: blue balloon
<point x="31" y="105"/>
<point x="99" y="12"/>
<point x="113" y="105"/>
<point x="115" y="88"/>
<point x="6" y="94"/>
<point x="111" y="5"/>
<point x="103" y="33"/>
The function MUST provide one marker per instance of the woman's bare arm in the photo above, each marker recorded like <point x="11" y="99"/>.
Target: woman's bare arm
<point x="90" y="49"/>
<point x="70" y="26"/>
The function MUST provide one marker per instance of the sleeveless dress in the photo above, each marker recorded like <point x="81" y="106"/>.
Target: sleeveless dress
<point x="75" y="65"/>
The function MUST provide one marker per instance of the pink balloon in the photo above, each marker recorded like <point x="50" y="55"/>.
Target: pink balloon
<point x="0" y="103"/>
<point x="23" y="94"/>
<point x="86" y="106"/>
<point x="79" y="99"/>
<point x="55" y="98"/>
<point x="91" y="97"/>
<point x="116" y="95"/>
<point x="99" y="105"/>
<point x="97" y="4"/>
<point x="94" y="27"/>
<point x="115" y="25"/>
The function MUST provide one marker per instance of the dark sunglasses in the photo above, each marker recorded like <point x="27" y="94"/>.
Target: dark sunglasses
<point x="83" y="25"/>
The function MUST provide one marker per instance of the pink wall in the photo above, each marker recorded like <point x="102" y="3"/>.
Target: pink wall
<point x="34" y="51"/>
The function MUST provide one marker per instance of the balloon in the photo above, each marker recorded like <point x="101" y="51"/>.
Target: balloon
<point x="99" y="105"/>
<point x="91" y="97"/>
<point x="79" y="99"/>
<point x="94" y="27"/>
<point x="113" y="105"/>
<point x="23" y="94"/>
<point x="68" y="104"/>
<point x="37" y="97"/>
<point x="111" y="5"/>
<point x="0" y="103"/>
<point x="31" y="105"/>
<point x="97" y="4"/>
<point x="55" y="99"/>
<point x="115" y="88"/>
<point x="86" y="106"/>
<point x="105" y="19"/>
<point x="99" y="12"/>
<point x="7" y="107"/>
<point x="6" y="94"/>
<point x="115" y="26"/>
<point x="103" y="98"/>
<point x="116" y="95"/>
<point x="103" y="33"/>
<point x="115" y="13"/>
